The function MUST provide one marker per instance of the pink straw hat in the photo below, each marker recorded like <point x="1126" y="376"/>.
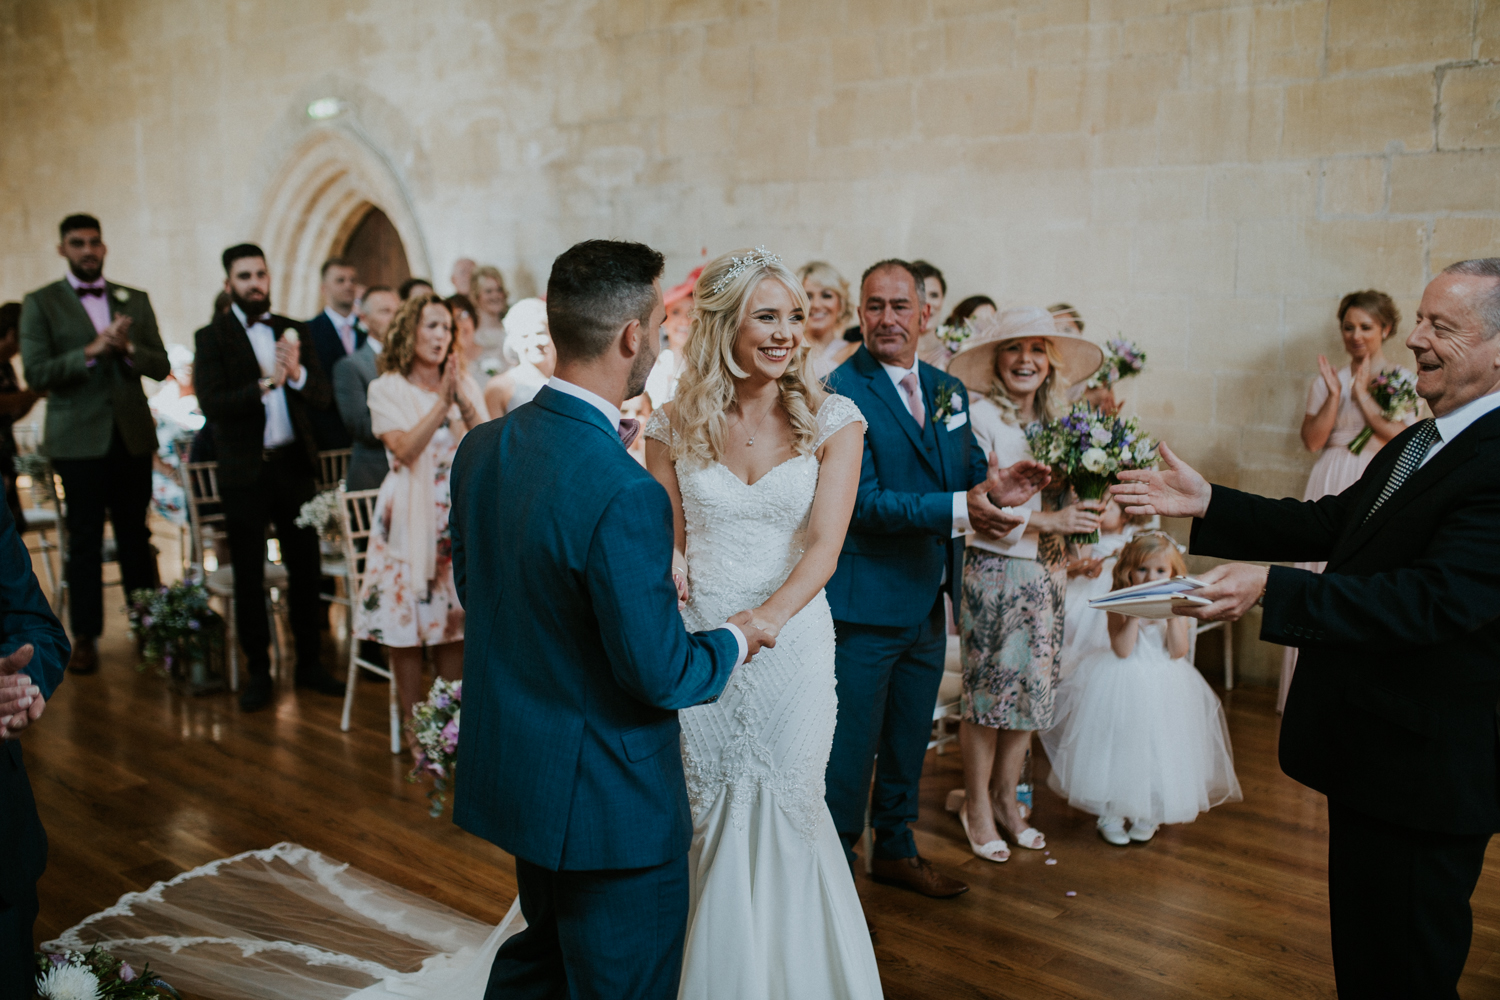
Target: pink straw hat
<point x="974" y="364"/>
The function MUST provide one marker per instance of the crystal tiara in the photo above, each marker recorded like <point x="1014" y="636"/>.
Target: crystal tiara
<point x="755" y="258"/>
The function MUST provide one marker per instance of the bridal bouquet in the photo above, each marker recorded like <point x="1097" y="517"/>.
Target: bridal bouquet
<point x="1122" y="359"/>
<point x="95" y="975"/>
<point x="321" y="513"/>
<point x="1088" y="447"/>
<point x="955" y="335"/>
<point x="434" y="724"/>
<point x="1395" y="392"/>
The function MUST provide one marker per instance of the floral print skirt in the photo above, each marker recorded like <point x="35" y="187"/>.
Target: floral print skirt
<point x="394" y="609"/>
<point x="1011" y="628"/>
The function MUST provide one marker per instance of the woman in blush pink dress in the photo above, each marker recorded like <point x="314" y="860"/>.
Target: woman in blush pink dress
<point x="1339" y="406"/>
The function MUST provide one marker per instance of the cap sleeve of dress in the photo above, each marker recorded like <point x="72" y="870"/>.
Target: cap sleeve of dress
<point x="836" y="413"/>
<point x="1317" y="395"/>
<point x="659" y="428"/>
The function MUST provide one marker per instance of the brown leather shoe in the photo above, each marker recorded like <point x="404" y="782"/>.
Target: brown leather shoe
<point x="85" y="658"/>
<point x="918" y="875"/>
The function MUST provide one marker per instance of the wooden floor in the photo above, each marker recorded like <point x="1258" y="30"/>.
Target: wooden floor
<point x="136" y="783"/>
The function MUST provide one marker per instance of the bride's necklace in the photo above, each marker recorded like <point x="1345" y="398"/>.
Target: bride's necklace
<point x="751" y="443"/>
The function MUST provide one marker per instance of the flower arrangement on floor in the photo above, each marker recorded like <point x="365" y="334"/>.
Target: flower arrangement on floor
<point x="1122" y="359"/>
<point x="178" y="630"/>
<point x="1395" y="392"/>
<point x="434" y="724"/>
<point x="96" y="975"/>
<point x="321" y="513"/>
<point x="1089" y="448"/>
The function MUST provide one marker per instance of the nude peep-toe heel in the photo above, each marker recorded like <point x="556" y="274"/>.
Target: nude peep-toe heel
<point x="1030" y="838"/>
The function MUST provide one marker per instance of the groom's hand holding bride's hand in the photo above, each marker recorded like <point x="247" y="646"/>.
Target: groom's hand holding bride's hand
<point x="758" y="632"/>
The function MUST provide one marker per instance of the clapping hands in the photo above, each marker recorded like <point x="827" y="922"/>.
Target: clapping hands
<point x="1009" y="487"/>
<point x="288" y="360"/>
<point x="115" y="337"/>
<point x="21" y="701"/>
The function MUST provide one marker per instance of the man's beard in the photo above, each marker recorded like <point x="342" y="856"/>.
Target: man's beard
<point x="640" y="369"/>
<point x="252" y="308"/>
<point x="87" y="271"/>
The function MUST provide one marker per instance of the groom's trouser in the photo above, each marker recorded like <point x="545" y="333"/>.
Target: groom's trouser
<point x="1398" y="900"/>
<point x="888" y="679"/>
<point x="595" y="935"/>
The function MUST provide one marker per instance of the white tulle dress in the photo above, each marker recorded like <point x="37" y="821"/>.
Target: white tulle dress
<point x="1142" y="737"/>
<point x="1084" y="630"/>
<point x="773" y="914"/>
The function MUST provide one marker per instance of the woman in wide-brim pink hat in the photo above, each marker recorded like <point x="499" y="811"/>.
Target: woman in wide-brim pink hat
<point x="1017" y="366"/>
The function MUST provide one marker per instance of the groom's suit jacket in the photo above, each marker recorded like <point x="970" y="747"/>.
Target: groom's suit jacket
<point x="575" y="658"/>
<point x="1393" y="705"/>
<point x="900" y="539"/>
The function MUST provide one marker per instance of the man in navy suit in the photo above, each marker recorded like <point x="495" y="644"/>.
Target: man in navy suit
<point x="33" y="653"/>
<point x="335" y="333"/>
<point x="923" y="485"/>
<point x="576" y="660"/>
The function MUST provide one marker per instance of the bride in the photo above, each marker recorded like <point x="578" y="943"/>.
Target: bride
<point x="762" y="466"/>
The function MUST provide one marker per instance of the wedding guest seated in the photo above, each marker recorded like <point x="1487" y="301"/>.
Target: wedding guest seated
<point x="488" y="293"/>
<point x="420" y="407"/>
<point x="829" y="310"/>
<point x="34" y="650"/>
<point x="15" y="403"/>
<point x="975" y="309"/>
<point x="351" y="381"/>
<point x="413" y="286"/>
<point x="661" y="384"/>
<point x="526" y="338"/>
<point x="1010" y="615"/>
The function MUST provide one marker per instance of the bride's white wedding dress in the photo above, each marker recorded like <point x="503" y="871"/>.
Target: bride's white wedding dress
<point x="774" y="914"/>
<point x="773" y="911"/>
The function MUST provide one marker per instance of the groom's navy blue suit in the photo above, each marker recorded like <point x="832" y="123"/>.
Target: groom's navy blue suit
<point x="899" y="557"/>
<point x="575" y="662"/>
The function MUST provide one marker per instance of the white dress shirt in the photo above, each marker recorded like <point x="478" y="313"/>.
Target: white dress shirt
<point x="279" y="430"/>
<point x="960" y="500"/>
<point x="343" y="326"/>
<point x="611" y="413"/>
<point x="1453" y="424"/>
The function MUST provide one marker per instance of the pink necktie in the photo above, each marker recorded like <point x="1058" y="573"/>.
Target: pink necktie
<point x="913" y="398"/>
<point x="630" y="429"/>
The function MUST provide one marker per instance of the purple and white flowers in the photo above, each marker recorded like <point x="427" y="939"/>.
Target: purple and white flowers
<point x="1088" y="447"/>
<point x="1395" y="392"/>
<point x="1122" y="359"/>
<point x="95" y="975"/>
<point x="434" y="725"/>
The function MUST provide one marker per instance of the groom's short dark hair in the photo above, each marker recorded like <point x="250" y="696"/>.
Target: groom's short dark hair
<point x="595" y="288"/>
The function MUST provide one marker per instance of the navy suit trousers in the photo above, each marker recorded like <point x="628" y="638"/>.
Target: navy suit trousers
<point x="888" y="679"/>
<point x="595" y="935"/>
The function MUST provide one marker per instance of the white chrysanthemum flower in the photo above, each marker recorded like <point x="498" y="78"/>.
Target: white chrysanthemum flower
<point x="69" y="982"/>
<point x="1095" y="460"/>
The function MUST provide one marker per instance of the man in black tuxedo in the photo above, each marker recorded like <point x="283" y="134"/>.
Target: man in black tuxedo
<point x="1398" y="679"/>
<point x="33" y="650"/>
<point x="336" y="333"/>
<point x="257" y="388"/>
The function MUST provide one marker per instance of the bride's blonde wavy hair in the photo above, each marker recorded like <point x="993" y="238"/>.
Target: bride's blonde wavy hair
<point x="706" y="390"/>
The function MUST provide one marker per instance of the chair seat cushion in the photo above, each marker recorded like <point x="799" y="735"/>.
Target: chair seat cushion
<point x="40" y="519"/>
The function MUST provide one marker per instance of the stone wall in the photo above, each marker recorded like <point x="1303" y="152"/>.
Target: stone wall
<point x="1205" y="177"/>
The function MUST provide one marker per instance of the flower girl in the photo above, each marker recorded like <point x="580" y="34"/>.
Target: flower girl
<point x="1140" y="734"/>
<point x="1091" y="576"/>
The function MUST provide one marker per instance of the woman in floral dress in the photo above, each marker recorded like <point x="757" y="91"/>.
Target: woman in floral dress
<point x="1010" y="619"/>
<point x="420" y="407"/>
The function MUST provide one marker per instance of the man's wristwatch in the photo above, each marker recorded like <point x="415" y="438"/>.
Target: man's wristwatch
<point x="266" y="384"/>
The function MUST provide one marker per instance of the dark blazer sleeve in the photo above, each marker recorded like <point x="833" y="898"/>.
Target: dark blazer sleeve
<point x="150" y="356"/>
<point x="25" y="615"/>
<point x="881" y="511"/>
<point x="1245" y="526"/>
<point x="1449" y="591"/>
<point x="629" y="573"/>
<point x="350" y="395"/>
<point x="317" y="391"/>
<point x="47" y="367"/>
<point x="222" y="394"/>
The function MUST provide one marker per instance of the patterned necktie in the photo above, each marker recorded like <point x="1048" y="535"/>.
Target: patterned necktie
<point x="630" y="429"/>
<point x="1409" y="462"/>
<point x="913" y="398"/>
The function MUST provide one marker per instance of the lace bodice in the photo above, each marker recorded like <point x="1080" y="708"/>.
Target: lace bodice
<point x="743" y="540"/>
<point x="768" y="736"/>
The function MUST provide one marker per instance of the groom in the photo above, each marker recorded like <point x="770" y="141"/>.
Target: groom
<point x="576" y="660"/>
<point x="922" y="486"/>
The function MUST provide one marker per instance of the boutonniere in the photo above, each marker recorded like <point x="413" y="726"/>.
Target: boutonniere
<point x="949" y="407"/>
<point x="122" y="295"/>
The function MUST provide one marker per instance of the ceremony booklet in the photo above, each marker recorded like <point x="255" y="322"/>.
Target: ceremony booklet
<point x="1157" y="599"/>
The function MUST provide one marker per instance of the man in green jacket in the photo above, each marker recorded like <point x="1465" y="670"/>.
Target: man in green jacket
<point x="87" y="342"/>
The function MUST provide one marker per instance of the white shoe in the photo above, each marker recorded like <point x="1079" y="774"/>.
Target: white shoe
<point x="1141" y="832"/>
<point x="995" y="850"/>
<point x="1112" y="829"/>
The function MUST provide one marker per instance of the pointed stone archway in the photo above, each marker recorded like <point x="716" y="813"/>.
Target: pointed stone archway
<point x="331" y="182"/>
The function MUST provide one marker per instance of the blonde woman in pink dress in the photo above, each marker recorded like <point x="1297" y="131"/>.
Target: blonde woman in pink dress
<point x="1339" y="407"/>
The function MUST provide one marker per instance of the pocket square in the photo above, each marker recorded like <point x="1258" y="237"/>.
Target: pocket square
<point x="956" y="421"/>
